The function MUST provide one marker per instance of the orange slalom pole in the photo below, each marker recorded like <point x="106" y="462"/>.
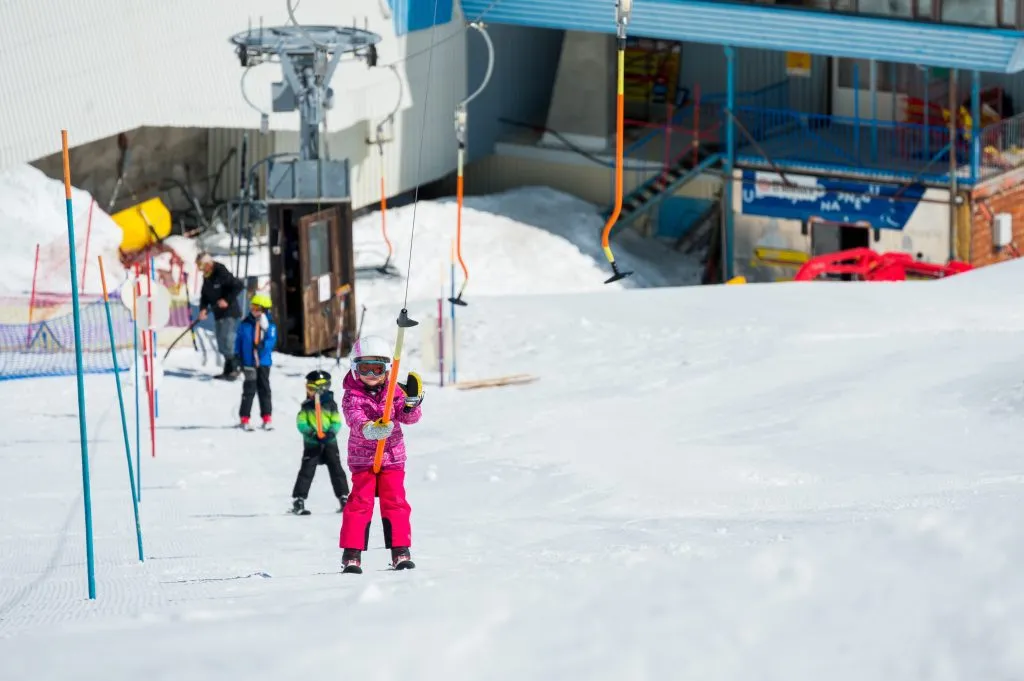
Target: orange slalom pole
<point x="384" y="211"/>
<point x="403" y="323"/>
<point x="620" y="107"/>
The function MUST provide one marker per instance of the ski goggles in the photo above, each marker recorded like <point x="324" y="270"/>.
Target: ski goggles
<point x="371" y="368"/>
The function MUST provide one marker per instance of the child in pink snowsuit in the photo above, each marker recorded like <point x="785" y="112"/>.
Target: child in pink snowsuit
<point x="363" y="408"/>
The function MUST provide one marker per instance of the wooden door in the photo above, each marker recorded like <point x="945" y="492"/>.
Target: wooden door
<point x="317" y="233"/>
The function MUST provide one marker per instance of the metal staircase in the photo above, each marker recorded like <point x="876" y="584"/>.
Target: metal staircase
<point x="658" y="188"/>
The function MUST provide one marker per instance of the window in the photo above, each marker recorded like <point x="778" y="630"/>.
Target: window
<point x="970" y="12"/>
<point x="990" y="13"/>
<point x="1009" y="13"/>
<point x="901" y="78"/>
<point x="886" y="8"/>
<point x="319" y="248"/>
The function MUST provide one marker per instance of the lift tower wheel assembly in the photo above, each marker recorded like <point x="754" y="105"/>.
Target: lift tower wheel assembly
<point x="309" y="57"/>
<point x="309" y="207"/>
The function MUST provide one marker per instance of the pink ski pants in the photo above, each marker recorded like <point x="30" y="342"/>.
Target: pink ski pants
<point x="389" y="485"/>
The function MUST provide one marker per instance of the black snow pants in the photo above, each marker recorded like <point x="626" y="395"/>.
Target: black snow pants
<point x="325" y="453"/>
<point x="257" y="382"/>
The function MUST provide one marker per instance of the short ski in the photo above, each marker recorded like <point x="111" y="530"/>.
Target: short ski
<point x="352" y="570"/>
<point x="404" y="565"/>
<point x="304" y="511"/>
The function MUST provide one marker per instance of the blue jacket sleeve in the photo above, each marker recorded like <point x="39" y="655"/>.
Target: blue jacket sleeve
<point x="270" y="340"/>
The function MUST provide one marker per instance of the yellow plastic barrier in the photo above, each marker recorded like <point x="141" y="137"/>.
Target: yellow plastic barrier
<point x="737" y="280"/>
<point x="143" y="224"/>
<point x="767" y="255"/>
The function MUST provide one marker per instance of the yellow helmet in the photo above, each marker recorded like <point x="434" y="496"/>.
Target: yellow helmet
<point x="261" y="299"/>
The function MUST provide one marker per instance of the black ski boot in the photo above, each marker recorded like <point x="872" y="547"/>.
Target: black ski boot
<point x="342" y="500"/>
<point x="227" y="373"/>
<point x="401" y="559"/>
<point x="350" y="561"/>
<point x="299" y="507"/>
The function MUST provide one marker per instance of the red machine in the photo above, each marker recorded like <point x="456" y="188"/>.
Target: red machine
<point x="864" y="264"/>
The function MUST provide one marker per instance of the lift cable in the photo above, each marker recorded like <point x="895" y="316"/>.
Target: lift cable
<point x="404" y="322"/>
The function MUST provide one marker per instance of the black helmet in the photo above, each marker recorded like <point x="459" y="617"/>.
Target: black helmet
<point x="318" y="380"/>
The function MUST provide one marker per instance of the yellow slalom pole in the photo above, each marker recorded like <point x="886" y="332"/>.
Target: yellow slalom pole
<point x="622" y="11"/>
<point x="404" y="322"/>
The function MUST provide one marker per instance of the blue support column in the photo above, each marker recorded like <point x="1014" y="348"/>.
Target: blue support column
<point x="730" y="161"/>
<point x="874" y="111"/>
<point x="856" y="110"/>
<point x="975" y="125"/>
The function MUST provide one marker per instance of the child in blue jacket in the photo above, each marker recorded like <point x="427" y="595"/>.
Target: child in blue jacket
<point x="254" y="345"/>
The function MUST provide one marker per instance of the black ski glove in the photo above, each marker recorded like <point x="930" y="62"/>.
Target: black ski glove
<point x="413" y="391"/>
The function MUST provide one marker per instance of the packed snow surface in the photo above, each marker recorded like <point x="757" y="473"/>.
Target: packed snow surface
<point x="791" y="482"/>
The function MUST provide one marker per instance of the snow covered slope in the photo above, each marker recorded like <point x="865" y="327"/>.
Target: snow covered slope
<point x="530" y="240"/>
<point x="792" y="482"/>
<point x="33" y="211"/>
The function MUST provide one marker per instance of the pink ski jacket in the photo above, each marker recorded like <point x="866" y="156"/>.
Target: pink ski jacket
<point x="359" y="406"/>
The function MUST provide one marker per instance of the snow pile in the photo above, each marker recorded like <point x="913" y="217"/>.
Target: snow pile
<point x="531" y="240"/>
<point x="810" y="482"/>
<point x="33" y="211"/>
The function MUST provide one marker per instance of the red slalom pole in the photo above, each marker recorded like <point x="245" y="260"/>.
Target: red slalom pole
<point x="32" y="299"/>
<point x="151" y="353"/>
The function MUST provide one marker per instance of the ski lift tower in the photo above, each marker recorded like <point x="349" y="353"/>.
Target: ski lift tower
<point x="309" y="205"/>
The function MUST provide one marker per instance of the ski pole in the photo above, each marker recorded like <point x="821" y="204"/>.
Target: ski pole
<point x="191" y="327"/>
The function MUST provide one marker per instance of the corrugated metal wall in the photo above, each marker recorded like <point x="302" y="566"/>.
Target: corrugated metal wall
<point x="525" y="63"/>
<point x="755" y="70"/>
<point x="220" y="142"/>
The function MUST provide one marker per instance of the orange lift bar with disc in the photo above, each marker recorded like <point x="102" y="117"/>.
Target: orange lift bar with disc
<point x="622" y="12"/>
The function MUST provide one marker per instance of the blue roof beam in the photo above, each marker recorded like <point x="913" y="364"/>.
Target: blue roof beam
<point x="857" y="37"/>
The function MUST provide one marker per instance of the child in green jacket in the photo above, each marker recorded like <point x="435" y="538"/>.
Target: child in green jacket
<point x="319" y="422"/>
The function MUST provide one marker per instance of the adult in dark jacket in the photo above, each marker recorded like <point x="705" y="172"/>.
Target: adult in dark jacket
<point x="220" y="292"/>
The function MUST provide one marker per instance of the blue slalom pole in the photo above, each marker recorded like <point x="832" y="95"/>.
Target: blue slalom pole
<point x="90" y="554"/>
<point x="120" y="404"/>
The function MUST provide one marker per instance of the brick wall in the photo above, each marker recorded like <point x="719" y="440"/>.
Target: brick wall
<point x="1005" y="195"/>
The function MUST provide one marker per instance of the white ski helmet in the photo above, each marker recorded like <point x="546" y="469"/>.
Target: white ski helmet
<point x="371" y="346"/>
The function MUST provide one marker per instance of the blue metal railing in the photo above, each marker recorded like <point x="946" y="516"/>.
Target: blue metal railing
<point x="670" y="189"/>
<point x="1002" y="147"/>
<point x="852" y="144"/>
<point x="705" y="113"/>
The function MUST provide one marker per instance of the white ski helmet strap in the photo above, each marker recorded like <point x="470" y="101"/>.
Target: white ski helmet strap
<point x="371" y="346"/>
